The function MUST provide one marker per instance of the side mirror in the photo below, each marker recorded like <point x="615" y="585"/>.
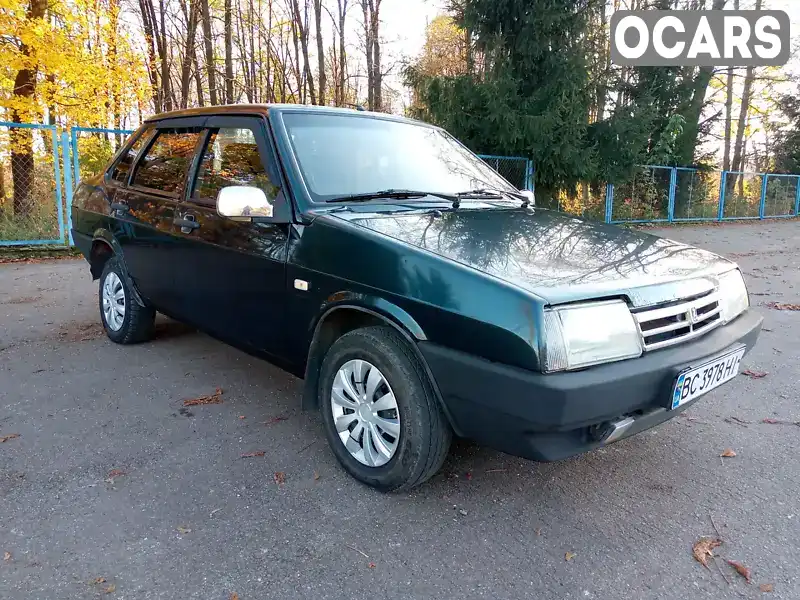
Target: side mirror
<point x="530" y="196"/>
<point x="243" y="203"/>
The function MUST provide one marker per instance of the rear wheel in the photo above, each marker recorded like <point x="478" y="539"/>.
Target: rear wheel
<point x="125" y="321"/>
<point x="379" y="411"/>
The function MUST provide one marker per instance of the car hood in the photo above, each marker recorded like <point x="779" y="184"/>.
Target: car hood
<point x="554" y="256"/>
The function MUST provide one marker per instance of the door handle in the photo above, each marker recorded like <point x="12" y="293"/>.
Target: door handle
<point x="187" y="223"/>
<point x="120" y="207"/>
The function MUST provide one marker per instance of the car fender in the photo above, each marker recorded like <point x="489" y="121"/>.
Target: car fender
<point x="381" y="309"/>
<point x="105" y="236"/>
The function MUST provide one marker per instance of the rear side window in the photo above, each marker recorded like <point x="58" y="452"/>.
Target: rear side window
<point x="166" y="162"/>
<point x="123" y="166"/>
<point x="231" y="157"/>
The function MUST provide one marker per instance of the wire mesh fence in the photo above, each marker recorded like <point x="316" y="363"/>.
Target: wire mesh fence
<point x="517" y="170"/>
<point x="782" y="195"/>
<point x="93" y="147"/>
<point x="696" y="195"/>
<point x="584" y="200"/>
<point x="31" y="205"/>
<point x="645" y="198"/>
<point x="742" y="196"/>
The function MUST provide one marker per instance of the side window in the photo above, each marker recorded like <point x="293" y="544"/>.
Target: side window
<point x="166" y="162"/>
<point x="231" y="157"/>
<point x="123" y="166"/>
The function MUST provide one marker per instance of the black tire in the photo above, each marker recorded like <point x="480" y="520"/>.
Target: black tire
<point x="138" y="322"/>
<point x="425" y="434"/>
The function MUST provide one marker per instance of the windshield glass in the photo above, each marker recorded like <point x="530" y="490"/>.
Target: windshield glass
<point x="342" y="155"/>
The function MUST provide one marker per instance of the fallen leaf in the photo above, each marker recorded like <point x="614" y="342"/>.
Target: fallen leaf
<point x="705" y="548"/>
<point x="10" y="436"/>
<point x="114" y="473"/>
<point x="779" y="422"/>
<point x="728" y="453"/>
<point x="273" y="420"/>
<point x="110" y="589"/>
<point x="99" y="580"/>
<point x="783" y="306"/>
<point x="183" y="530"/>
<point x="766" y="587"/>
<point x="754" y="374"/>
<point x="741" y="569"/>
<point x="468" y="476"/>
<point x="7" y="556"/>
<point x="538" y="531"/>
<point x="569" y="556"/>
<point x="371" y="565"/>
<point x="234" y="596"/>
<point x="316" y="476"/>
<point x="280" y="477"/>
<point x="215" y="398"/>
<point x="253" y="454"/>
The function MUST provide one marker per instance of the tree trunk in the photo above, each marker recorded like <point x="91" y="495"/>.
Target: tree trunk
<point x="166" y="83"/>
<point x="365" y="7"/>
<point x="321" y="76"/>
<point x="22" y="162"/>
<point x="342" y="5"/>
<point x="688" y="140"/>
<point x="228" y="53"/>
<point x="744" y="110"/>
<point x="302" y="32"/>
<point x="198" y="80"/>
<point x="148" y="24"/>
<point x="208" y="43"/>
<point x="726" y="161"/>
<point x="377" y="78"/>
<point x="188" y="53"/>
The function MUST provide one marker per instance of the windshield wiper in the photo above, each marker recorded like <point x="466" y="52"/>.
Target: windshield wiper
<point x="391" y="194"/>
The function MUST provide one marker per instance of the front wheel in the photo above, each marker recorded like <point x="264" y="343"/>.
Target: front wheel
<point x="124" y="320"/>
<point x="380" y="415"/>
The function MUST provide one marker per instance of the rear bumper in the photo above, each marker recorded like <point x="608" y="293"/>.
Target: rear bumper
<point x="550" y="417"/>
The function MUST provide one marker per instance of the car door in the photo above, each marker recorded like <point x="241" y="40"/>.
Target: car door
<point x="146" y="208"/>
<point x="233" y="272"/>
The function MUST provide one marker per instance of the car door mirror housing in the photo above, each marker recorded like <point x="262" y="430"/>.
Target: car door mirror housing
<point x="243" y="203"/>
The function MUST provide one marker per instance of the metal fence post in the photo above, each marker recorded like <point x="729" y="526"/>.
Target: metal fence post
<point x="76" y="166"/>
<point x="57" y="175"/>
<point x="609" y="201"/>
<point x="529" y="176"/>
<point x="673" y="184"/>
<point x="722" y="185"/>
<point x="797" y="199"/>
<point x="762" y="206"/>
<point x="65" y="143"/>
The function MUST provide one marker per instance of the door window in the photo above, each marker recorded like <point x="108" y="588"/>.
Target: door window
<point x="167" y="160"/>
<point x="123" y="166"/>
<point x="231" y="157"/>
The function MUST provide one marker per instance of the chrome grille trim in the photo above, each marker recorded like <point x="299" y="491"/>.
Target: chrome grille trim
<point x="678" y="323"/>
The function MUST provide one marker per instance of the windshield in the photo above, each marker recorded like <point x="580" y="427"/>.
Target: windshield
<point x="342" y="155"/>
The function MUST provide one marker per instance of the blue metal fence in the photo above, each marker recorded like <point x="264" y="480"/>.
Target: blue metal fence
<point x="660" y="194"/>
<point x="31" y="201"/>
<point x="56" y="160"/>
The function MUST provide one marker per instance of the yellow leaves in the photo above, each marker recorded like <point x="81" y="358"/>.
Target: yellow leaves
<point x="85" y="64"/>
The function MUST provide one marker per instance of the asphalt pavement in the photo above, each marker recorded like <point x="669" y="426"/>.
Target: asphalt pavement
<point x="115" y="489"/>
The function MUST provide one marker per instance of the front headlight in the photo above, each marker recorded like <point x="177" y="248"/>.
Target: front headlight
<point x="581" y="335"/>
<point x="733" y="299"/>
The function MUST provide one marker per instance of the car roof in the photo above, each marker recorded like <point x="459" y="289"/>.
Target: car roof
<point x="265" y="109"/>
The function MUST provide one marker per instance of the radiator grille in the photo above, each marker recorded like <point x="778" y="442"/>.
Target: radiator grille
<point x="678" y="322"/>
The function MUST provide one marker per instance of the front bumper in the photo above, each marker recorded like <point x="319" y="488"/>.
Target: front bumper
<point x="553" y="416"/>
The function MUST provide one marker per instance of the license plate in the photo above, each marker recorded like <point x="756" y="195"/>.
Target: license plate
<point x="697" y="381"/>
